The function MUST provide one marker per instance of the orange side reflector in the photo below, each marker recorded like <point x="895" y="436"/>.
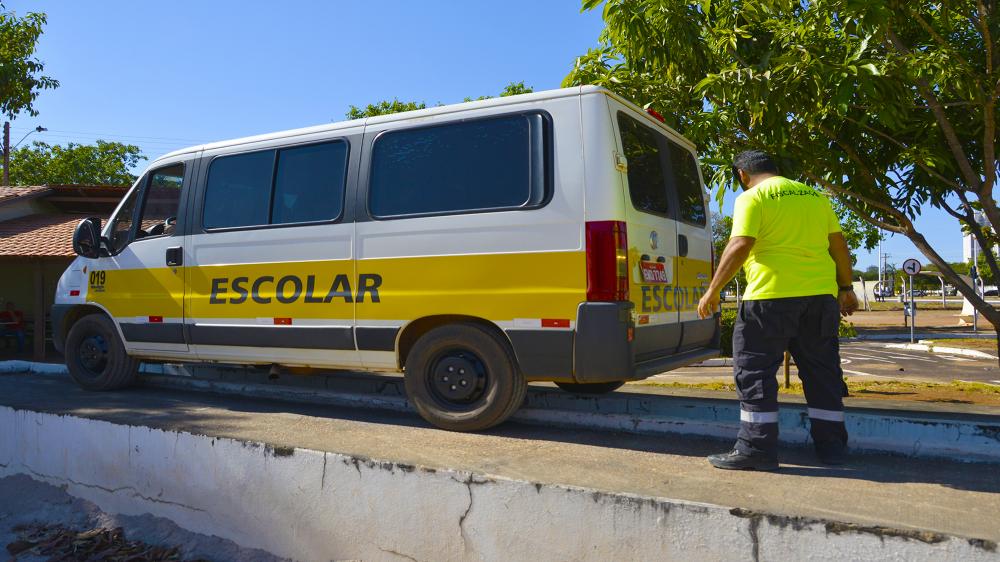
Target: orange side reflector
<point x="555" y="323"/>
<point x="631" y="334"/>
<point x="74" y="293"/>
<point x="282" y="321"/>
<point x="156" y="319"/>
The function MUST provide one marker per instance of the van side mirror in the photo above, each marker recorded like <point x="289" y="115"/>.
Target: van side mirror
<point x="87" y="238"/>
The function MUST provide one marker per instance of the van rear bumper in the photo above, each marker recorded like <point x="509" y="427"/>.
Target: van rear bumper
<point x="604" y="352"/>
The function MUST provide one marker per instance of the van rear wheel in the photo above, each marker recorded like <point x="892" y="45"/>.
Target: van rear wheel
<point x="590" y="387"/>
<point x="463" y="377"/>
<point x="96" y="357"/>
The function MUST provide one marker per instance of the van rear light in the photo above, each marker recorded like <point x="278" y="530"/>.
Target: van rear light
<point x="607" y="261"/>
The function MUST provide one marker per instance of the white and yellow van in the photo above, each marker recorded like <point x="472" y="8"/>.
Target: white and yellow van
<point x="556" y="236"/>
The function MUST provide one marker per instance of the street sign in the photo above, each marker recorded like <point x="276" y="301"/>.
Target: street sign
<point x="911" y="266"/>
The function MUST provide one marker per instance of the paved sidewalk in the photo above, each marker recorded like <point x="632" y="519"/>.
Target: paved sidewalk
<point x="903" y="496"/>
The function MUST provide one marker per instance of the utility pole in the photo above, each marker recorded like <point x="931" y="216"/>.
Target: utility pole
<point x="6" y="153"/>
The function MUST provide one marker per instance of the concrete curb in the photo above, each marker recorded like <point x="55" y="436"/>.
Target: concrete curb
<point x="932" y="348"/>
<point x="919" y="335"/>
<point x="964" y="437"/>
<point x="314" y="505"/>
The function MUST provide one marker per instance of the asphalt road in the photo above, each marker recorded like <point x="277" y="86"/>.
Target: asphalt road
<point x="874" y="360"/>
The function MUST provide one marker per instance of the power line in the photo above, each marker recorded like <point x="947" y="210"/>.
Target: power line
<point x="114" y="135"/>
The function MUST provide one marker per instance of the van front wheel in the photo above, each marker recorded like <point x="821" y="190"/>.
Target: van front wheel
<point x="96" y="357"/>
<point x="463" y="377"/>
<point x="590" y="387"/>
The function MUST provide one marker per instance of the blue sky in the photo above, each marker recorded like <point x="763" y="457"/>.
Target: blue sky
<point x="171" y="74"/>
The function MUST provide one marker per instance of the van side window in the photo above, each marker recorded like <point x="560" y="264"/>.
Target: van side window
<point x="689" y="191"/>
<point x="161" y="201"/>
<point x="309" y="185"/>
<point x="486" y="164"/>
<point x="239" y="190"/>
<point x="291" y="185"/>
<point x="646" y="179"/>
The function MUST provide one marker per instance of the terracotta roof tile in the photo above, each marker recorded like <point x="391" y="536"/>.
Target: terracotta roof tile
<point x="38" y="236"/>
<point x="8" y="194"/>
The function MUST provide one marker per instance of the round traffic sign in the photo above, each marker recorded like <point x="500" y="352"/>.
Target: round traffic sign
<point x="911" y="266"/>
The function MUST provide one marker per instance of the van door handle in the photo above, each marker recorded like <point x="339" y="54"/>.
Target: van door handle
<point x="175" y="256"/>
<point x="682" y="245"/>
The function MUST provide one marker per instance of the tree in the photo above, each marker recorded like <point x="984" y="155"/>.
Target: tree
<point x="20" y="72"/>
<point x="890" y="106"/>
<point x="395" y="106"/>
<point x="722" y="229"/>
<point x="982" y="266"/>
<point x="101" y="163"/>
<point x="383" y="108"/>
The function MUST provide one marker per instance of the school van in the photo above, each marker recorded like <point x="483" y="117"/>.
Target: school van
<point x="556" y="236"/>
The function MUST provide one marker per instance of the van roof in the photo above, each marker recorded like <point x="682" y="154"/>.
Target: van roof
<point x="421" y="114"/>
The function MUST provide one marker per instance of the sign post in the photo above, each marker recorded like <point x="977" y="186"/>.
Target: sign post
<point x="912" y="267"/>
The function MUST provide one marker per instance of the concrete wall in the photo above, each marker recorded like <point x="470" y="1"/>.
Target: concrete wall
<point x="310" y="505"/>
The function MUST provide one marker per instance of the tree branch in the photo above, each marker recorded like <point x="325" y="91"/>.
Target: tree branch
<point x="951" y="137"/>
<point x="923" y="166"/>
<point x="846" y="196"/>
<point x="944" y="267"/>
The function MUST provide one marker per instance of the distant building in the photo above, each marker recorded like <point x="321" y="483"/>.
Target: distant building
<point x="968" y="240"/>
<point x="36" y="246"/>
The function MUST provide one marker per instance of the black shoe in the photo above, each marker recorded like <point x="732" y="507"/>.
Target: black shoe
<point x="735" y="460"/>
<point x="831" y="452"/>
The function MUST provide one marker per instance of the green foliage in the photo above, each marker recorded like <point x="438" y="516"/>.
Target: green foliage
<point x="847" y="329"/>
<point x="383" y="108"/>
<point x="890" y="106"/>
<point x="395" y="106"/>
<point x="101" y="163"/>
<point x="722" y="228"/>
<point x="982" y="266"/>
<point x="728" y="322"/>
<point x="20" y="72"/>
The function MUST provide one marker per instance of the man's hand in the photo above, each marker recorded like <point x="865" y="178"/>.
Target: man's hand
<point x="848" y="302"/>
<point x="708" y="304"/>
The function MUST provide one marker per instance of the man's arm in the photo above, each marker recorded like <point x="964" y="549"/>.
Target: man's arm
<point x="736" y="252"/>
<point x="841" y="255"/>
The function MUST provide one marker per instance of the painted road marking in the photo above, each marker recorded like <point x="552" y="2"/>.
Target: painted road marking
<point x="910" y="357"/>
<point x="858" y="355"/>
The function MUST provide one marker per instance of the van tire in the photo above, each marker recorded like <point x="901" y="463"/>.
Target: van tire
<point x="590" y="387"/>
<point x="485" y="387"/>
<point x="96" y="357"/>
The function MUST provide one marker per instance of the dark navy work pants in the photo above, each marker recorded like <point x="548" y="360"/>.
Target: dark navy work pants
<point x="808" y="328"/>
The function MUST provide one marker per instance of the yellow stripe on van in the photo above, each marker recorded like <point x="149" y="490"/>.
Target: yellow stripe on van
<point x="499" y="287"/>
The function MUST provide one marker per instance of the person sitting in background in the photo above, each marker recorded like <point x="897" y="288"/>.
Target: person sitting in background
<point x="12" y="324"/>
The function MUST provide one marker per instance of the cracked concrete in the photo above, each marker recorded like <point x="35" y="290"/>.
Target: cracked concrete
<point x="364" y="486"/>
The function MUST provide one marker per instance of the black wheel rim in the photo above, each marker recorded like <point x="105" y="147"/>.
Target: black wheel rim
<point x="457" y="379"/>
<point x="92" y="355"/>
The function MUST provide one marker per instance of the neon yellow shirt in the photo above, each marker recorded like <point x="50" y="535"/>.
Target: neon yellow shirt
<point x="792" y="223"/>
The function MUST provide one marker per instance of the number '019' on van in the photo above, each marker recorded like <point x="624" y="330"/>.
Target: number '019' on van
<point x="555" y="236"/>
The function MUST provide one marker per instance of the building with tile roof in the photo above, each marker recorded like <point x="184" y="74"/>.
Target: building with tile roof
<point x="36" y="246"/>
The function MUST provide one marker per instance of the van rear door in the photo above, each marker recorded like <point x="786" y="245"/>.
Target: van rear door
<point x="652" y="234"/>
<point x="694" y="245"/>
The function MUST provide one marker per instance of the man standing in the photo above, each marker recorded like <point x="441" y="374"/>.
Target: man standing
<point x="798" y="267"/>
<point x="12" y="324"/>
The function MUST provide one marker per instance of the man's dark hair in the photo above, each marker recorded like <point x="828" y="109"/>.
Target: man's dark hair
<point x="755" y="162"/>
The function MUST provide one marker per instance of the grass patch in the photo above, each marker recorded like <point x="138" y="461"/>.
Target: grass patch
<point x="957" y="392"/>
